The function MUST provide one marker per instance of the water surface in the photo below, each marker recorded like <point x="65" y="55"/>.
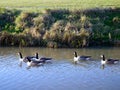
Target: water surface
<point x="61" y="74"/>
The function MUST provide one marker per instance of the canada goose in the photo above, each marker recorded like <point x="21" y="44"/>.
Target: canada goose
<point x="33" y="62"/>
<point x="108" y="61"/>
<point x="78" y="58"/>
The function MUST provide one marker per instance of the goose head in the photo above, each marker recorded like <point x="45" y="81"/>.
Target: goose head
<point x="103" y="61"/>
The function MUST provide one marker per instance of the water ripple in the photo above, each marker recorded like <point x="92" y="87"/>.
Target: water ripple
<point x="61" y="74"/>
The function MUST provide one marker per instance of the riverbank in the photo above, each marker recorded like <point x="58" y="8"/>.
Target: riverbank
<point x="60" y="28"/>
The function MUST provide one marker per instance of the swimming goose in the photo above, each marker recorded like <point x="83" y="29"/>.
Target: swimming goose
<point x="108" y="61"/>
<point x="33" y="62"/>
<point x="77" y="58"/>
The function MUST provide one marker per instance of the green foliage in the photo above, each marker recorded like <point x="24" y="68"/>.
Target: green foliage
<point x="7" y="18"/>
<point x="24" y="20"/>
<point x="60" y="14"/>
<point x="60" y="27"/>
<point x="43" y="22"/>
<point x="76" y="42"/>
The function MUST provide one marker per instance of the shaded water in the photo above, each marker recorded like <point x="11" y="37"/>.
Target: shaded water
<point x="61" y="74"/>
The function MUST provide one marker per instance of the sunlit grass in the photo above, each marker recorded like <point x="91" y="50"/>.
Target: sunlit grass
<point x="31" y="5"/>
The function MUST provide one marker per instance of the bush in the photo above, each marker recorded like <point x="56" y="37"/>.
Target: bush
<point x="43" y="22"/>
<point x="24" y="20"/>
<point x="77" y="28"/>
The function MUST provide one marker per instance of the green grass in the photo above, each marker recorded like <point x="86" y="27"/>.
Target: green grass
<point x="33" y="5"/>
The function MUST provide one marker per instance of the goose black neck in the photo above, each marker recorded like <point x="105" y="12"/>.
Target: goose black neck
<point x="103" y="57"/>
<point x="28" y="59"/>
<point x="37" y="55"/>
<point x="75" y="54"/>
<point x="20" y="55"/>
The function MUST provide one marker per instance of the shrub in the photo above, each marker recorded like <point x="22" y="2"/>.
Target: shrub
<point x="7" y="18"/>
<point x="24" y="20"/>
<point x="67" y="37"/>
<point x="85" y="22"/>
<point x="60" y="14"/>
<point x="43" y="22"/>
<point x="76" y="42"/>
<point x="71" y="28"/>
<point x="54" y="28"/>
<point x="58" y="26"/>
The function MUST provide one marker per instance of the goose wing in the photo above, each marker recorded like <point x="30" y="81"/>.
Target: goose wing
<point x="85" y="56"/>
<point x="45" y="58"/>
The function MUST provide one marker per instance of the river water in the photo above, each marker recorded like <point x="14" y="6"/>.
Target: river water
<point x="62" y="73"/>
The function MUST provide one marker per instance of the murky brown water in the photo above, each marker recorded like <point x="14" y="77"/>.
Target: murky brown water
<point x="61" y="74"/>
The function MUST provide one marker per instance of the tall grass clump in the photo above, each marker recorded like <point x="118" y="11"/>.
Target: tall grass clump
<point x="23" y="21"/>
